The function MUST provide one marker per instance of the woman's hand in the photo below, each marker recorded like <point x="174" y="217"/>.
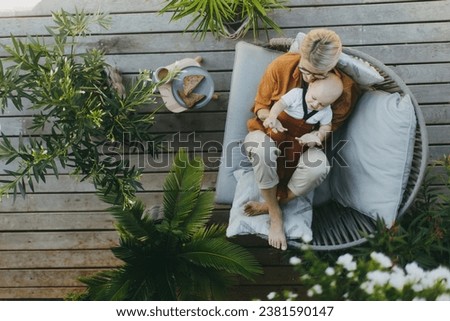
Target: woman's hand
<point x="274" y="124"/>
<point x="310" y="140"/>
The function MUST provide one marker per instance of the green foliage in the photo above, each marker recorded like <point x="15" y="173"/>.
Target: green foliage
<point x="78" y="109"/>
<point x="171" y="254"/>
<point x="213" y="16"/>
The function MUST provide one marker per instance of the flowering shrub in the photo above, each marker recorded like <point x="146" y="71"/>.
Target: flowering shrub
<point x="374" y="279"/>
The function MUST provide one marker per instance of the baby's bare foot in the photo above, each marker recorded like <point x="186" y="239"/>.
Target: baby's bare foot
<point x="277" y="238"/>
<point x="255" y="208"/>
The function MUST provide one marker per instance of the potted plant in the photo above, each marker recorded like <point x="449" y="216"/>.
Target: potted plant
<point x="225" y="18"/>
<point x="171" y="252"/>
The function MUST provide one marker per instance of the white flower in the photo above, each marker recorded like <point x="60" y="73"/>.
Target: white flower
<point x="368" y="287"/>
<point x="440" y="274"/>
<point x="382" y="259"/>
<point x="397" y="280"/>
<point x="414" y="272"/>
<point x="378" y="277"/>
<point x="295" y="260"/>
<point x="329" y="271"/>
<point x="443" y="297"/>
<point x="347" y="262"/>
<point x="350" y="275"/>
<point x="271" y="295"/>
<point x="419" y="299"/>
<point x="317" y="289"/>
<point x="417" y="287"/>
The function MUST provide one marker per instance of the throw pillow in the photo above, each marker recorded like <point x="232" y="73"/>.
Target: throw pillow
<point x="297" y="214"/>
<point x="377" y="156"/>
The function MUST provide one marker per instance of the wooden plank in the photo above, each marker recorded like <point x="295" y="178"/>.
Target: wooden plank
<point x="409" y="53"/>
<point x="438" y="134"/>
<point x="436" y="114"/>
<point x="158" y="107"/>
<point x="364" y="14"/>
<point x="357" y="35"/>
<point x="423" y="73"/>
<point x="37" y="293"/>
<point x="69" y="277"/>
<point x="431" y="94"/>
<point x="68" y="203"/>
<point x="73" y="221"/>
<point x="438" y="152"/>
<point x="57" y="259"/>
<point x="386" y="13"/>
<point x="67" y="184"/>
<point x="30" y="221"/>
<point x="58" y="240"/>
<point x="45" y="278"/>
<point x="46" y="7"/>
<point x="37" y="7"/>
<point x="163" y="161"/>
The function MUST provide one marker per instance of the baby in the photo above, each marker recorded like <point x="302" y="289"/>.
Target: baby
<point x="311" y="107"/>
<point x="292" y="124"/>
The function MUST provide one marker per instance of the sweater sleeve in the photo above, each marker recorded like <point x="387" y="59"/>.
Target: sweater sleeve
<point x="280" y="76"/>
<point x="267" y="86"/>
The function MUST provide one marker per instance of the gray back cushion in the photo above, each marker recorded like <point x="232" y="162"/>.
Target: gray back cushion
<point x="250" y="62"/>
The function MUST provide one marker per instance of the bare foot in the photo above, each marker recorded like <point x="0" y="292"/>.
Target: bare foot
<point x="277" y="238"/>
<point x="255" y="208"/>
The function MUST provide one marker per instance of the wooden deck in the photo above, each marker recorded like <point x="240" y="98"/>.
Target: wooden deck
<point x="62" y="231"/>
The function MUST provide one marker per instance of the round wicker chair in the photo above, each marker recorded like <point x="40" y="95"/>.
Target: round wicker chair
<point x="334" y="226"/>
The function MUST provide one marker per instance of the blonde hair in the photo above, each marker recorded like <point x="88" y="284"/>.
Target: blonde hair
<point x="321" y="48"/>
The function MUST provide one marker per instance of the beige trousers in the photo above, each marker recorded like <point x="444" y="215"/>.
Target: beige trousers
<point x="312" y="168"/>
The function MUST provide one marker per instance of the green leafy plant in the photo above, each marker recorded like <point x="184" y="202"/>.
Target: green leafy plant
<point x="172" y="254"/>
<point x="216" y="16"/>
<point x="375" y="278"/>
<point x="79" y="107"/>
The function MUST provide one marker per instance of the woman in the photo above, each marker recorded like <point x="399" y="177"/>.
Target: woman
<point x="318" y="56"/>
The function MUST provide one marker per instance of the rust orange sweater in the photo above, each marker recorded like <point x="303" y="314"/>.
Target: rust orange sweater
<point x="283" y="74"/>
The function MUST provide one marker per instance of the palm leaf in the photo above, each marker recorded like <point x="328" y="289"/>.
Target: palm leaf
<point x="199" y="283"/>
<point x="200" y="214"/>
<point x="222" y="255"/>
<point x="106" y="285"/>
<point x="129" y="221"/>
<point x="181" y="189"/>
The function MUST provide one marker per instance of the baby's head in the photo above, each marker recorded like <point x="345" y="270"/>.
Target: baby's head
<point x="323" y="92"/>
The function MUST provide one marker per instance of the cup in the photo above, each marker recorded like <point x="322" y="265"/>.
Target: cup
<point x="161" y="74"/>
